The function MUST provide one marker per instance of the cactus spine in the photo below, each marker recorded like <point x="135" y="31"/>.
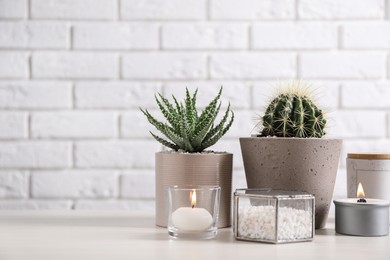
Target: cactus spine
<point x="293" y="114"/>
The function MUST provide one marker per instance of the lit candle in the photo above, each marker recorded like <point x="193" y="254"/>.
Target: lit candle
<point x="361" y="216"/>
<point x="192" y="218"/>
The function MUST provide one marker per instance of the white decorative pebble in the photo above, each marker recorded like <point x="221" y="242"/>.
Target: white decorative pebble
<point x="258" y="222"/>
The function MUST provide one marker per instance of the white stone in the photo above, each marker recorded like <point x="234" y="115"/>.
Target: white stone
<point x="335" y="9"/>
<point x="253" y="65"/>
<point x="33" y="34"/>
<point x="345" y="65"/>
<point x="74" y="9"/>
<point x="137" y="184"/>
<point x="14" y="184"/>
<point x="35" y="94"/>
<point x="167" y="9"/>
<point x="290" y="35"/>
<point x="115" y="94"/>
<point x="74" y="184"/>
<point x="35" y="154"/>
<point x="102" y="36"/>
<point x="13" y="65"/>
<point x="204" y="36"/>
<point x="13" y="8"/>
<point x="252" y="9"/>
<point x="367" y="35"/>
<point x="13" y="125"/>
<point x="76" y="65"/>
<point x="164" y="65"/>
<point x="75" y="124"/>
<point x="116" y="154"/>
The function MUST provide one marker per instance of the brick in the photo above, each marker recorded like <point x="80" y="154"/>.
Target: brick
<point x="164" y="66"/>
<point x="346" y="9"/>
<point x="204" y="36"/>
<point x="357" y="124"/>
<point x="373" y="35"/>
<point x="347" y="65"/>
<point x="13" y="65"/>
<point x="74" y="184"/>
<point x="75" y="124"/>
<point x="135" y="125"/>
<point x="294" y="36"/>
<point x="244" y="124"/>
<point x="131" y="205"/>
<point x="365" y="95"/>
<point x="13" y="9"/>
<point x="252" y="65"/>
<point x="34" y="154"/>
<point x="116" y="154"/>
<point x="13" y="125"/>
<point x="74" y="9"/>
<point x="102" y="36"/>
<point x="137" y="184"/>
<point x="325" y="93"/>
<point x="14" y="184"/>
<point x="252" y="9"/>
<point x="167" y="9"/>
<point x="35" y="204"/>
<point x="117" y="94"/>
<point x="35" y="94"/>
<point x="207" y="90"/>
<point x="74" y="65"/>
<point x="33" y="35"/>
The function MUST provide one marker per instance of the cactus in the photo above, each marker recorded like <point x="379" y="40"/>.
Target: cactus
<point x="292" y="113"/>
<point x="184" y="128"/>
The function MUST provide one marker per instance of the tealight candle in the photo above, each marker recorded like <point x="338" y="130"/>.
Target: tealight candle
<point x="361" y="216"/>
<point x="193" y="211"/>
<point x="192" y="218"/>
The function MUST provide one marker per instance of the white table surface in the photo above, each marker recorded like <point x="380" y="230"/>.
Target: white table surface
<point x="119" y="235"/>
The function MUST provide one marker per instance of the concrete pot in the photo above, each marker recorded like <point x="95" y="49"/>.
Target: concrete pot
<point x="194" y="169"/>
<point x="300" y="164"/>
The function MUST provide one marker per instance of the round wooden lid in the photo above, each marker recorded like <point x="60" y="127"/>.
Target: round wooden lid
<point x="369" y="156"/>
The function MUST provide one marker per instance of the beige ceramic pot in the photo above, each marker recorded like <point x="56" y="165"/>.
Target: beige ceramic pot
<point x="299" y="164"/>
<point x="194" y="169"/>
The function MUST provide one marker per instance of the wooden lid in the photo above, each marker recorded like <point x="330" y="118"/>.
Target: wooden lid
<point x="369" y="156"/>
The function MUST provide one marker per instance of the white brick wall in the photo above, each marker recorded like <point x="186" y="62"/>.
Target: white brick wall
<point x="73" y="74"/>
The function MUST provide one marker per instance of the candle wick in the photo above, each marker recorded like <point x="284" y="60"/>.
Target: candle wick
<point x="363" y="200"/>
<point x="193" y="206"/>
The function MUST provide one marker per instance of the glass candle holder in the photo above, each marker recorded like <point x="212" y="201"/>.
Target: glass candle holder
<point x="193" y="211"/>
<point x="273" y="216"/>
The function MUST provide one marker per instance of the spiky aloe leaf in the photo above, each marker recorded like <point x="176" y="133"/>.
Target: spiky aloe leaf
<point x="184" y="129"/>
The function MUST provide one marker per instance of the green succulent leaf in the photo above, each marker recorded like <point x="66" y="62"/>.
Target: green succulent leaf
<point x="184" y="128"/>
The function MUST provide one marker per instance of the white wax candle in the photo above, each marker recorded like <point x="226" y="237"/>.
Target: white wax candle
<point x="191" y="219"/>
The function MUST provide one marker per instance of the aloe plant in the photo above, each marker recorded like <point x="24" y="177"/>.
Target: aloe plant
<point x="185" y="129"/>
<point x="293" y="113"/>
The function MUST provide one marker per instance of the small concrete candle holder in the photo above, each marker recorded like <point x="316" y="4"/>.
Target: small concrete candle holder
<point x="273" y="216"/>
<point x="193" y="211"/>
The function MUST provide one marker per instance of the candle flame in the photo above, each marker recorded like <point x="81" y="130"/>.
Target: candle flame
<point x="360" y="191"/>
<point x="193" y="198"/>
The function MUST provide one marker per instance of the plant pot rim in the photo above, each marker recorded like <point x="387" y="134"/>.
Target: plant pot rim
<point x="290" y="138"/>
<point x="207" y="153"/>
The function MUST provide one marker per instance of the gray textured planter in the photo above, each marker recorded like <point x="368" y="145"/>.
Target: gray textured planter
<point x="301" y="164"/>
<point x="194" y="169"/>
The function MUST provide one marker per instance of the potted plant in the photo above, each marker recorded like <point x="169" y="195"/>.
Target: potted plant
<point x="289" y="152"/>
<point x="188" y="133"/>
